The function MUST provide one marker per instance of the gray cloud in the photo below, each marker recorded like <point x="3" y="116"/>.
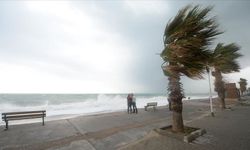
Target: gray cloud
<point x="28" y="40"/>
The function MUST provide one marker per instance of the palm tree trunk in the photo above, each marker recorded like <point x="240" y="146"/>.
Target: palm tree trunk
<point x="222" y="100"/>
<point x="241" y="90"/>
<point x="175" y="96"/>
<point x="219" y="87"/>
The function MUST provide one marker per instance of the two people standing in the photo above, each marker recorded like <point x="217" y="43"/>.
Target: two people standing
<point x="131" y="100"/>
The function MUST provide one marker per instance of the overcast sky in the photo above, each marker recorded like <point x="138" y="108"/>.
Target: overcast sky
<point x="101" y="46"/>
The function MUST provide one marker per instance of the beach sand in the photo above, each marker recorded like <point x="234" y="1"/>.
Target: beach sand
<point x="116" y="130"/>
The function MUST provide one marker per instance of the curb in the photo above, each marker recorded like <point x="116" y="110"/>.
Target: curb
<point x="193" y="135"/>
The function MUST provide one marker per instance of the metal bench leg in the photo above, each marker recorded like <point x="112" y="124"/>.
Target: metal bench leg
<point x="7" y="125"/>
<point x="43" y="118"/>
<point x="43" y="121"/>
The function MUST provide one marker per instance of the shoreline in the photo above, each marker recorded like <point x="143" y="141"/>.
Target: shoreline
<point x="100" y="113"/>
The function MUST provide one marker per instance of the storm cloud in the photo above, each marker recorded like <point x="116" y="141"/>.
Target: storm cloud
<point x="101" y="46"/>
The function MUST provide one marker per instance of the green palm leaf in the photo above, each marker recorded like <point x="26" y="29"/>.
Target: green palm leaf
<point x="224" y="58"/>
<point x="186" y="39"/>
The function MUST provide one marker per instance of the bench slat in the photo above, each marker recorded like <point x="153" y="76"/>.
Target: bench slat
<point x="25" y="115"/>
<point x="152" y="104"/>
<point x="21" y="118"/>
<point x="24" y="112"/>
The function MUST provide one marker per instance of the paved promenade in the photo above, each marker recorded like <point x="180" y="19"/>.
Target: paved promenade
<point x="228" y="130"/>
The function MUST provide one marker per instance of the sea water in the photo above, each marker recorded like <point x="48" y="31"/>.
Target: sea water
<point x="79" y="104"/>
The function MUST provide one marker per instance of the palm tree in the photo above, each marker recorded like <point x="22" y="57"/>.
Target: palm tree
<point x="186" y="39"/>
<point x="243" y="85"/>
<point x="223" y="60"/>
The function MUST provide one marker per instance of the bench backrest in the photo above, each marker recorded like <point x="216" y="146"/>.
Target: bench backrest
<point x="152" y="104"/>
<point x="23" y="115"/>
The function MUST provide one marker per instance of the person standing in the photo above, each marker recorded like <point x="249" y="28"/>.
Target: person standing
<point x="129" y="102"/>
<point x="134" y="104"/>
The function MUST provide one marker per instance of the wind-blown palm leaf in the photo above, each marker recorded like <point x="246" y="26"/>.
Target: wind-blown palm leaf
<point x="224" y="58"/>
<point x="186" y="39"/>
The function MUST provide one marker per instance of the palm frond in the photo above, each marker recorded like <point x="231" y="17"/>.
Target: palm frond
<point x="225" y="58"/>
<point x="186" y="40"/>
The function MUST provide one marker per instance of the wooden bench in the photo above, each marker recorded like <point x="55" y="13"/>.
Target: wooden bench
<point x="9" y="116"/>
<point x="151" y="104"/>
